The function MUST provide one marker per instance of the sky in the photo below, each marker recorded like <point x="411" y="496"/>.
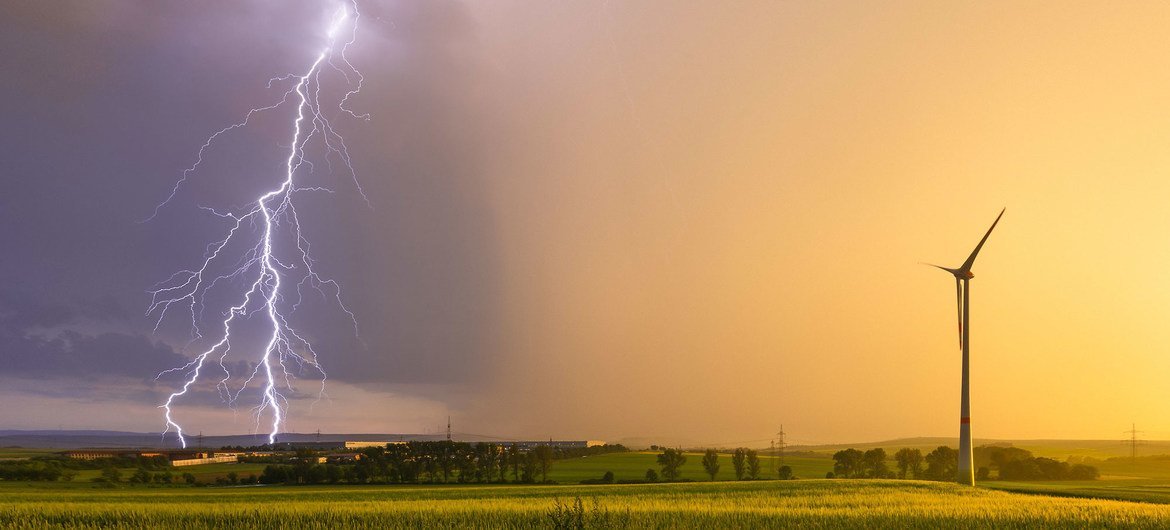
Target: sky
<point x="689" y="222"/>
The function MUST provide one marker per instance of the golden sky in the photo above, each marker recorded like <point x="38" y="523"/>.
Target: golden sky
<point x="710" y="216"/>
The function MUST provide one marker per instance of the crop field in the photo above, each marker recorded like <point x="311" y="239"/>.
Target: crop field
<point x="633" y="465"/>
<point x="1144" y="480"/>
<point x="23" y="452"/>
<point x="807" y="503"/>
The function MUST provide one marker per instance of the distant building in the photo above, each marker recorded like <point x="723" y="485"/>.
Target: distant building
<point x="330" y="446"/>
<point x="94" y="454"/>
<point x="222" y="459"/>
<point x="555" y="444"/>
<point x="344" y="458"/>
<point x="365" y="445"/>
<point x="313" y="446"/>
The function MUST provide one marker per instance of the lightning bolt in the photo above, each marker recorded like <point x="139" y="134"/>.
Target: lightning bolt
<point x="276" y="255"/>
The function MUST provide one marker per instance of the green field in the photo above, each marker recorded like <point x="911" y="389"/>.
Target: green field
<point x="804" y="503"/>
<point x="1058" y="449"/>
<point x="24" y="452"/>
<point x="1144" y="480"/>
<point x="633" y="465"/>
<point x="808" y="503"/>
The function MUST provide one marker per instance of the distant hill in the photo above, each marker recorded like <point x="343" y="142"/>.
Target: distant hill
<point x="63" y="439"/>
<point x="1050" y="448"/>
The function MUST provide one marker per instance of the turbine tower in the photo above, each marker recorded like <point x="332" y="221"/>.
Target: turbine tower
<point x="963" y="277"/>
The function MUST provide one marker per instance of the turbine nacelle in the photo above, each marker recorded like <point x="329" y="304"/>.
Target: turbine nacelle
<point x="959" y="274"/>
<point x="964" y="270"/>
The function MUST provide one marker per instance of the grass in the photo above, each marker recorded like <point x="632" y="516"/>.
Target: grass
<point x="1146" y="480"/>
<point x="805" y="503"/>
<point x="24" y="452"/>
<point x="633" y="465"/>
<point x="724" y="504"/>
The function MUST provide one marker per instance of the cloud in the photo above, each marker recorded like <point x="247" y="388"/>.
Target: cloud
<point x="38" y="339"/>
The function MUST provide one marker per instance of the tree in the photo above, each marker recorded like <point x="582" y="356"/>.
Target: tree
<point x="528" y="467"/>
<point x="188" y="478"/>
<point x="786" y="473"/>
<point x="1083" y="472"/>
<point x="111" y="474"/>
<point x="909" y="462"/>
<point x="874" y="462"/>
<point x="485" y="458"/>
<point x="544" y="460"/>
<point x="942" y="464"/>
<point x="607" y="478"/>
<point x="739" y="462"/>
<point x="711" y="463"/>
<point x="753" y="464"/>
<point x="996" y="457"/>
<point x="468" y="471"/>
<point x="141" y="476"/>
<point x="671" y="460"/>
<point x="848" y="463"/>
<point x="651" y="475"/>
<point x="447" y="460"/>
<point x="516" y="461"/>
<point x="502" y="462"/>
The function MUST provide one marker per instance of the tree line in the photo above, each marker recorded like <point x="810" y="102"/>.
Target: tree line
<point x="941" y="464"/>
<point x="54" y="468"/>
<point x="744" y="462"/>
<point x="433" y="462"/>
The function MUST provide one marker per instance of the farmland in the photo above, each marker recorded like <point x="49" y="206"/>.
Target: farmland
<point x="1146" y="480"/>
<point x="633" y="465"/>
<point x="811" y="503"/>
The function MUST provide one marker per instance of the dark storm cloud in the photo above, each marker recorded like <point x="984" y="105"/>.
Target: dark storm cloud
<point x="36" y="342"/>
<point x="105" y="103"/>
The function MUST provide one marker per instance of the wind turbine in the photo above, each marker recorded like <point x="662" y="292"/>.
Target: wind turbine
<point x="963" y="277"/>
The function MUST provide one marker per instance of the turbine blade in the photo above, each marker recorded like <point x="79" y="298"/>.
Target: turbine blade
<point x="952" y="271"/>
<point x="959" y="307"/>
<point x="971" y="259"/>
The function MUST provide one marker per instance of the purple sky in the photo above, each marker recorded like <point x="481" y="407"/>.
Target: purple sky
<point x="104" y="105"/>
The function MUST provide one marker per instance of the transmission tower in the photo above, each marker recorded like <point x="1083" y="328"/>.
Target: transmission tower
<point x="780" y="443"/>
<point x="773" y="453"/>
<point x="448" y="428"/>
<point x="1133" y="441"/>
